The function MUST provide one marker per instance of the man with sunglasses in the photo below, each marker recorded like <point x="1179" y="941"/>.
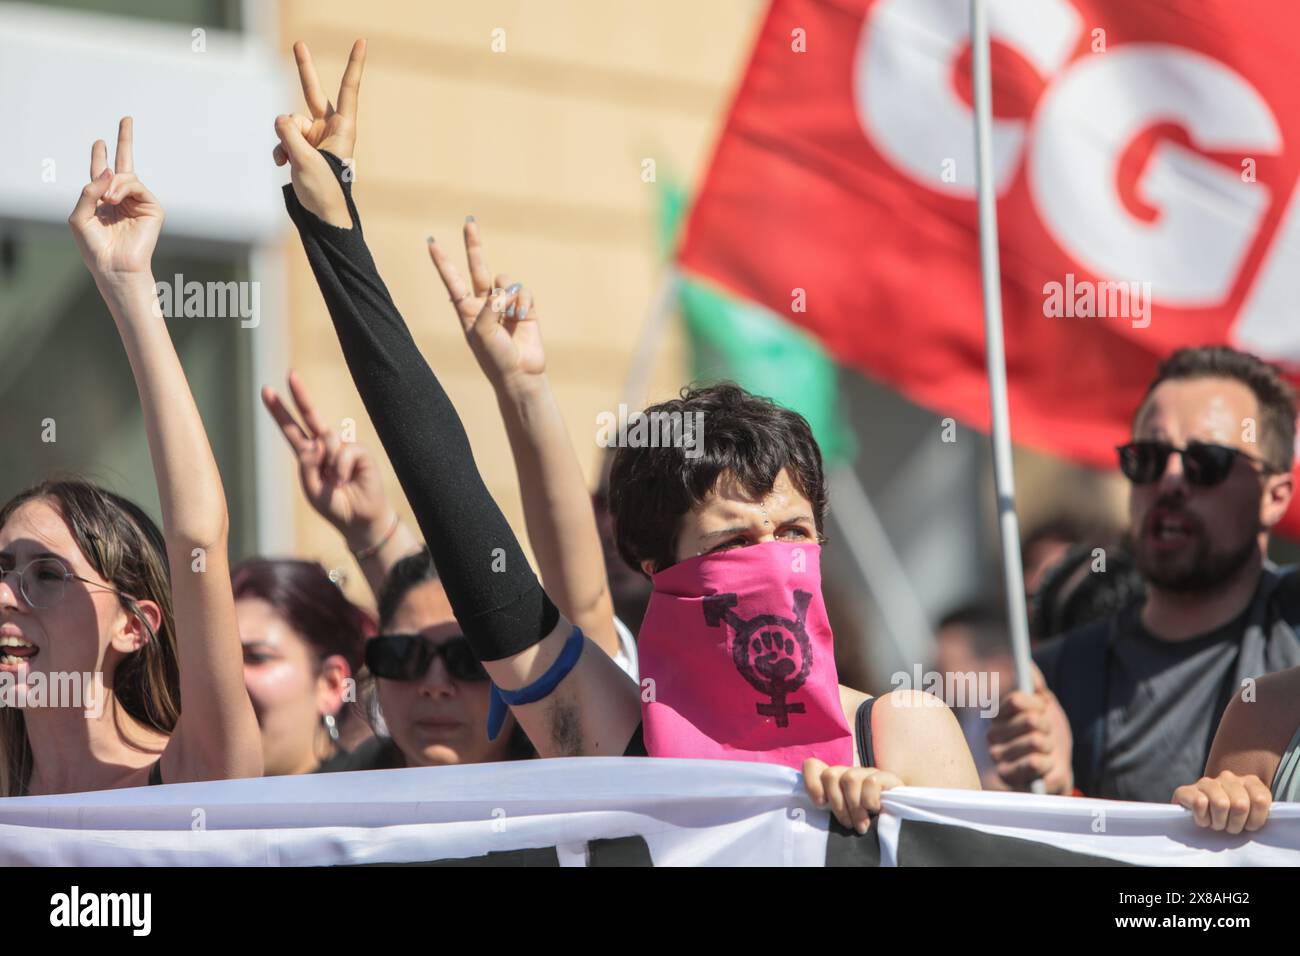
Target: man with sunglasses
<point x="432" y="691"/>
<point x="1127" y="707"/>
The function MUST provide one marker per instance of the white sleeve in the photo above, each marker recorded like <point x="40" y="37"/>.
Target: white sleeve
<point x="626" y="657"/>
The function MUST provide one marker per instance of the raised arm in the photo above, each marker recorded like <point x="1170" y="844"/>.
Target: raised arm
<point x="116" y="224"/>
<point x="510" y="622"/>
<point x="342" y="483"/>
<point x="557" y="504"/>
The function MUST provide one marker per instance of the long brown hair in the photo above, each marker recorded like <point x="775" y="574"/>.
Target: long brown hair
<point x="127" y="549"/>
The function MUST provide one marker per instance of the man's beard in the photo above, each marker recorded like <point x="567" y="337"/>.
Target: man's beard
<point x="1208" y="570"/>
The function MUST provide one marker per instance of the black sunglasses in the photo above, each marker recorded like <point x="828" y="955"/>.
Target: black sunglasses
<point x="1204" y="465"/>
<point x="409" y="656"/>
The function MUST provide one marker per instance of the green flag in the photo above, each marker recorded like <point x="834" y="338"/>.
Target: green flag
<point x="754" y="347"/>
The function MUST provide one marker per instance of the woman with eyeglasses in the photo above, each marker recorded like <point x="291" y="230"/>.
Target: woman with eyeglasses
<point x="432" y="691"/>
<point x="90" y="586"/>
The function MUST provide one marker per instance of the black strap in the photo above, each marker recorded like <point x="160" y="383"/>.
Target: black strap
<point x="866" y="752"/>
<point x="636" y="746"/>
<point x="155" y="773"/>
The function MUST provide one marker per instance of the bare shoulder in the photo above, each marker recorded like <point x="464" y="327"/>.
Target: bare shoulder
<point x="913" y="714"/>
<point x="900" y="702"/>
<point x="1270" y="707"/>
<point x="1280" y="694"/>
<point x="917" y="737"/>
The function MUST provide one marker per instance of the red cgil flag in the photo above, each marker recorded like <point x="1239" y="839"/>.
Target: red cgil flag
<point x="1146" y="159"/>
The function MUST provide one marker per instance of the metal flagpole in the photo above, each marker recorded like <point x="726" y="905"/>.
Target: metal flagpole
<point x="880" y="565"/>
<point x="991" y="275"/>
<point x="637" y="382"/>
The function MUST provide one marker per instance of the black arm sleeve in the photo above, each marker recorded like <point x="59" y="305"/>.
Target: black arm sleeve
<point x="496" y="597"/>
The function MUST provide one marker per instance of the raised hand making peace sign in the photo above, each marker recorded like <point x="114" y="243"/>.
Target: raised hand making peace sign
<point x="116" y="221"/>
<point x="333" y="129"/>
<point x="500" y="324"/>
<point x="341" y="481"/>
<point x="497" y="316"/>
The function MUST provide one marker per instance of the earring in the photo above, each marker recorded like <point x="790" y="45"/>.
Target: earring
<point x="331" y="727"/>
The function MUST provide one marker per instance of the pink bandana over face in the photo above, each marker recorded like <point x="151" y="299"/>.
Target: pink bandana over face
<point x="742" y="660"/>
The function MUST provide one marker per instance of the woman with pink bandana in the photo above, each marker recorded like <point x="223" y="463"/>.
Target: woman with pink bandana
<point x="737" y="659"/>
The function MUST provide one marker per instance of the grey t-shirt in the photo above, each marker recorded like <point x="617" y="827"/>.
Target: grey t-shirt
<point x="1163" y="699"/>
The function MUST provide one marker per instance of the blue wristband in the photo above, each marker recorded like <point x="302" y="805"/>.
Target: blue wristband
<point x="501" y="700"/>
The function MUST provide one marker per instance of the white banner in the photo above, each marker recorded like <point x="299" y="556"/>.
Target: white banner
<point x="922" y="826"/>
<point x="600" y="811"/>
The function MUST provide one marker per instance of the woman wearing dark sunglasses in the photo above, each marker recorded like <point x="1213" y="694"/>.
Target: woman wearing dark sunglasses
<point x="296" y="681"/>
<point x="433" y="693"/>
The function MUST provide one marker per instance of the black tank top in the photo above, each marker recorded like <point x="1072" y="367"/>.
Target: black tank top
<point x="866" y="752"/>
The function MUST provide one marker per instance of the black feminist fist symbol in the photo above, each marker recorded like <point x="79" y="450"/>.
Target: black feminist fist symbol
<point x="764" y="651"/>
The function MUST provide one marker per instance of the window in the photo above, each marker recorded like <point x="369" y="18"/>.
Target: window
<point x="65" y="364"/>
<point x="214" y="14"/>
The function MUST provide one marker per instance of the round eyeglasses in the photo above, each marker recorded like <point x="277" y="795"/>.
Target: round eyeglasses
<point x="42" y="582"/>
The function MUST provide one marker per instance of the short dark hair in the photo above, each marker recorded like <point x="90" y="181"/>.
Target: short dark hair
<point x="1274" y="395"/>
<point x="745" y="436"/>
<point x="402" y="577"/>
